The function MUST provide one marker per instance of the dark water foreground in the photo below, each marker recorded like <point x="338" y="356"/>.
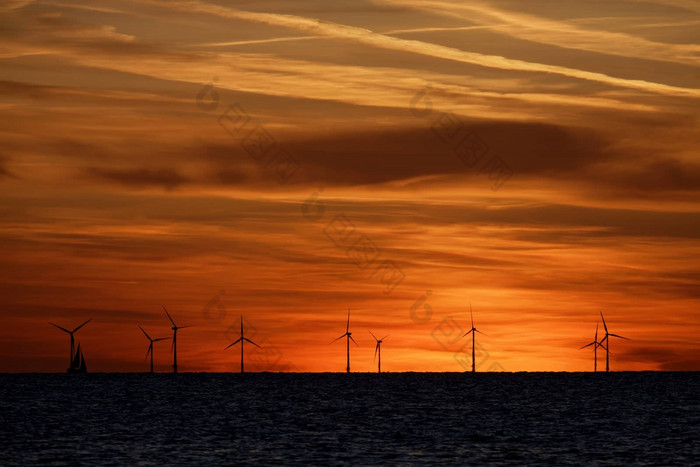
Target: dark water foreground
<point x="359" y="419"/>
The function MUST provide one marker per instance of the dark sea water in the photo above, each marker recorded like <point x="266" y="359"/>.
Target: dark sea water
<point x="357" y="419"/>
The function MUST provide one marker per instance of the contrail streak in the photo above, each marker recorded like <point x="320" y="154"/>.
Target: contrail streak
<point x="368" y="37"/>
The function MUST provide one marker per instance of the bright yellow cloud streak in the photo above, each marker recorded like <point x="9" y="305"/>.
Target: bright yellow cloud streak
<point x="368" y="37"/>
<point x="559" y="33"/>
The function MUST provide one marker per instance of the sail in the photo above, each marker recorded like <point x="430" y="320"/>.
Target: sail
<point x="76" y="358"/>
<point x="83" y="367"/>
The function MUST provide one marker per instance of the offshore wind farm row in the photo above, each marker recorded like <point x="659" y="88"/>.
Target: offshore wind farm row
<point x="77" y="360"/>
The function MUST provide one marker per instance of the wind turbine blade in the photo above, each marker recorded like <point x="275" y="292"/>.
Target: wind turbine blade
<point x="596" y="332"/>
<point x="338" y="338"/>
<point x="604" y="325"/>
<point x="82" y="325"/>
<point x="232" y="344"/>
<point x="587" y="345"/>
<point x="603" y="339"/>
<point x="471" y="314"/>
<point x="376" y="348"/>
<point x="161" y="339"/>
<point x="248" y="340"/>
<point x="169" y="317"/>
<point x="144" y="332"/>
<point x="384" y="337"/>
<point x="148" y="352"/>
<point x="375" y="338"/>
<point x="352" y="339"/>
<point x="466" y="334"/>
<point x="183" y="327"/>
<point x="59" y="327"/>
<point x="621" y="337"/>
<point x="481" y="332"/>
<point x="347" y="328"/>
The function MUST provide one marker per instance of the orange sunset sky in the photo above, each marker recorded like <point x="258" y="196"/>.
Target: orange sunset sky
<point x="291" y="160"/>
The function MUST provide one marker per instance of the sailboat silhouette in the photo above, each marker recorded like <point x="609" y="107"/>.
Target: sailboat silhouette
<point x="78" y="364"/>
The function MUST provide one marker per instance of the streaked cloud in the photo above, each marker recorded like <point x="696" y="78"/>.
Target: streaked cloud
<point x="369" y="37"/>
<point x="559" y="33"/>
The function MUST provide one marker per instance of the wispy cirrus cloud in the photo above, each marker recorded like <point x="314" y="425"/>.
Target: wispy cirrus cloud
<point x="258" y="41"/>
<point x="683" y="4"/>
<point x="559" y="33"/>
<point x="15" y="4"/>
<point x="368" y="37"/>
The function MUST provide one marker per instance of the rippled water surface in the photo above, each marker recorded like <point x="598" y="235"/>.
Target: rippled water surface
<point x="359" y="419"/>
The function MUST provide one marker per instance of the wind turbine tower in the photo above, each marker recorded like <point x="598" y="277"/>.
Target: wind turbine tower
<point x="607" y="343"/>
<point x="378" y="351"/>
<point x="595" y="345"/>
<point x="348" y="335"/>
<point x="473" y="332"/>
<point x="150" y="345"/>
<point x="241" y="339"/>
<point x="173" y="348"/>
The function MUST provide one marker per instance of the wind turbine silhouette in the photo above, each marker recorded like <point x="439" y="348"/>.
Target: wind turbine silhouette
<point x="607" y="341"/>
<point x="595" y="345"/>
<point x="241" y="339"/>
<point x="347" y="334"/>
<point x="378" y="350"/>
<point x="150" y="346"/>
<point x="173" y="347"/>
<point x="72" y="339"/>
<point x="473" y="332"/>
